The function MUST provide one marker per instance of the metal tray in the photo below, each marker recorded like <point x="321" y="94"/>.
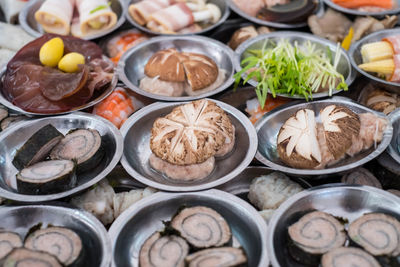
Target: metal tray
<point x="28" y="22"/>
<point x="269" y="126"/>
<point x="394" y="146"/>
<point x="349" y="202"/>
<point x="225" y="12"/>
<point x="13" y="138"/>
<point x="356" y="12"/>
<point x="131" y="65"/>
<point x="344" y="66"/>
<point x="95" y="241"/>
<point x="135" y="225"/>
<point x="136" y="132"/>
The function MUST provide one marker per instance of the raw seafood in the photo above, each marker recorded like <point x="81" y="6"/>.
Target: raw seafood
<point x="122" y="41"/>
<point x="26" y="257"/>
<point x="224" y="256"/>
<point x="348" y="257"/>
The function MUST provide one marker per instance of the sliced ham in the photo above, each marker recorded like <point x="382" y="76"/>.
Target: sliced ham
<point x="55" y="16"/>
<point x="141" y="11"/>
<point x="171" y="19"/>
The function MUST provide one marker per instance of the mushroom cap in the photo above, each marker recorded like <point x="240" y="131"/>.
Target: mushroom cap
<point x="340" y="126"/>
<point x="191" y="133"/>
<point x="241" y="35"/>
<point x="167" y="65"/>
<point x="297" y="143"/>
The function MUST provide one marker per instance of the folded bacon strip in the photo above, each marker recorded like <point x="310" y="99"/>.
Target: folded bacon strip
<point x="141" y="11"/>
<point x="171" y="19"/>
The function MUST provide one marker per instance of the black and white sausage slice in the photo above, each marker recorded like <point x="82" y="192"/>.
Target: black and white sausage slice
<point x="348" y="257"/>
<point x="61" y="242"/>
<point x="25" y="257"/>
<point x="224" y="256"/>
<point x="377" y="233"/>
<point x="163" y="251"/>
<point x="317" y="233"/>
<point x="9" y="241"/>
<point x="202" y="227"/>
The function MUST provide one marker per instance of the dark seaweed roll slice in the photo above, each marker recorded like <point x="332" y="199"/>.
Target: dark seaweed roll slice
<point x="82" y="145"/>
<point x="163" y="251"/>
<point x="202" y="227"/>
<point x="61" y="242"/>
<point x="47" y="177"/>
<point x="37" y="147"/>
<point x="7" y="122"/>
<point x="224" y="256"/>
<point x="9" y="241"/>
<point x="21" y="257"/>
<point x="348" y="257"/>
<point x="377" y="233"/>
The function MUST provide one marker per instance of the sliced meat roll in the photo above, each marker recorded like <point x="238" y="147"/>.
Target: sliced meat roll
<point x="377" y="233"/>
<point x="163" y="251"/>
<point x="9" y="241"/>
<point x="61" y="242"/>
<point x="348" y="257"/>
<point x="202" y="227"/>
<point x="361" y="176"/>
<point x="225" y="256"/>
<point x="25" y="257"/>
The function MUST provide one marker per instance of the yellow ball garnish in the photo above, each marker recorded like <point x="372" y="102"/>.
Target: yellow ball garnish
<point x="69" y="63"/>
<point x="51" y="52"/>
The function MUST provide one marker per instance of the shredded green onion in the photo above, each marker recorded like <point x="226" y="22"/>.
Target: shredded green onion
<point x="100" y="8"/>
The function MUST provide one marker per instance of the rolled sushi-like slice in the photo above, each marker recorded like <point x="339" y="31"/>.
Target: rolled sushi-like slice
<point x="47" y="177"/>
<point x="348" y="257"/>
<point x="9" y="241"/>
<point x="163" y="251"/>
<point x="61" y="242"/>
<point x="224" y="256"/>
<point x="377" y="233"/>
<point x="21" y="257"/>
<point x="38" y="147"/>
<point x="82" y="145"/>
<point x="202" y="227"/>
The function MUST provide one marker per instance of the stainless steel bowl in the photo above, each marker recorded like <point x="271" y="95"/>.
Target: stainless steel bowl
<point x="28" y="22"/>
<point x="269" y="126"/>
<point x="356" y="12"/>
<point x="95" y="240"/>
<point x="225" y="12"/>
<point x="348" y="202"/>
<point x="135" y="225"/>
<point x="319" y="11"/>
<point x="394" y="146"/>
<point x="344" y="67"/>
<point x="356" y="58"/>
<point x="131" y="65"/>
<point x="136" y="132"/>
<point x="13" y="138"/>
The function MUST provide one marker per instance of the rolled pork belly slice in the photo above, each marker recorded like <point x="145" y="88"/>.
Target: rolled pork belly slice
<point x="25" y="257"/>
<point x="171" y="19"/>
<point x="163" y="251"/>
<point x="82" y="145"/>
<point x="202" y="227"/>
<point x="55" y="16"/>
<point x="61" y="242"/>
<point x="38" y="147"/>
<point x="377" y="233"/>
<point x="348" y="257"/>
<point x="142" y="11"/>
<point x="47" y="177"/>
<point x="95" y="16"/>
<point x="9" y="241"/>
<point x="224" y="256"/>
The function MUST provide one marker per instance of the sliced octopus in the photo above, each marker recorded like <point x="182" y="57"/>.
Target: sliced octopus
<point x="202" y="227"/>
<point x="22" y="257"/>
<point x="9" y="241"/>
<point x="348" y="257"/>
<point x="163" y="251"/>
<point x="224" y="256"/>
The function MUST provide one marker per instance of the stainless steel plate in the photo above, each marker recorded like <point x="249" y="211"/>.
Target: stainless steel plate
<point x="131" y="65"/>
<point x="95" y="241"/>
<point x="349" y="202"/>
<point x="394" y="146"/>
<point x="269" y="126"/>
<point x="356" y="12"/>
<point x="136" y="132"/>
<point x="225" y="12"/>
<point x="356" y="58"/>
<point x="13" y="138"/>
<point x="29" y="24"/>
<point x="135" y="225"/>
<point x="344" y="66"/>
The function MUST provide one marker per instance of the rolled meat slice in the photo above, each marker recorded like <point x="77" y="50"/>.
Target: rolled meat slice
<point x="171" y="19"/>
<point x="377" y="233"/>
<point x="202" y="227"/>
<point x="396" y="74"/>
<point x="142" y="11"/>
<point x="95" y="16"/>
<point x="25" y="257"/>
<point x="348" y="257"/>
<point x="394" y="40"/>
<point x="163" y="251"/>
<point x="9" y="241"/>
<point x="225" y="256"/>
<point x="55" y="16"/>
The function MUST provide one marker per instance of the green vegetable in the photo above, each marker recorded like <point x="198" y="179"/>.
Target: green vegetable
<point x="100" y="8"/>
<point x="283" y="68"/>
